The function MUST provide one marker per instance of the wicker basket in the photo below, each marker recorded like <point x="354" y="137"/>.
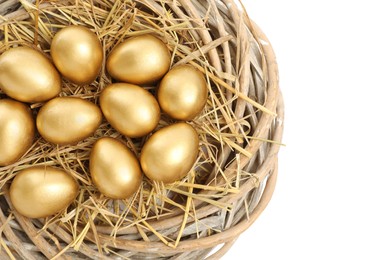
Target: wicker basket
<point x="256" y="70"/>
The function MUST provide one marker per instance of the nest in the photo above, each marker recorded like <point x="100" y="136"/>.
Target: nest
<point x="240" y="131"/>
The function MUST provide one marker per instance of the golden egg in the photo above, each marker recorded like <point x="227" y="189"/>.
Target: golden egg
<point x="139" y="60"/>
<point x="114" y="168"/>
<point x="130" y="109"/>
<point x="77" y="54"/>
<point x="40" y="191"/>
<point x="169" y="154"/>
<point x="182" y="93"/>
<point x="68" y="120"/>
<point x="17" y="129"/>
<point x="28" y="76"/>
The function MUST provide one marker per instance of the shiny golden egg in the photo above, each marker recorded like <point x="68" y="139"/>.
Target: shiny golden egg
<point x="170" y="153"/>
<point x="130" y="109"/>
<point x="77" y="53"/>
<point x="28" y="76"/>
<point x="17" y="129"/>
<point x="114" y="169"/>
<point x="139" y="60"/>
<point x="182" y="93"/>
<point x="68" y="120"/>
<point x="40" y="191"/>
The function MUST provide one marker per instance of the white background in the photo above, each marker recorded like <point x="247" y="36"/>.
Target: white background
<point x="332" y="199"/>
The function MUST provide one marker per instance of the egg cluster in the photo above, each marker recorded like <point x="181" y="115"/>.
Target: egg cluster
<point x="27" y="76"/>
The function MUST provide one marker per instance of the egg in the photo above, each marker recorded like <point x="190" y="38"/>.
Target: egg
<point x="130" y="109"/>
<point x="182" y="93"/>
<point x="40" y="191"/>
<point x="139" y="60"/>
<point x="28" y="76"/>
<point x="170" y="153"/>
<point x="77" y="53"/>
<point x="114" y="168"/>
<point x="17" y="129"/>
<point x="68" y="120"/>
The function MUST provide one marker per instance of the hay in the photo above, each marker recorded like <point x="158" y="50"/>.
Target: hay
<point x="240" y="131"/>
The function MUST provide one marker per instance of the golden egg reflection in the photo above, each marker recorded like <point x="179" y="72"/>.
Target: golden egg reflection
<point x="77" y="53"/>
<point x="68" y="120"/>
<point x="130" y="109"/>
<point x="170" y="153"/>
<point x="40" y="191"/>
<point x="182" y="93"/>
<point x="17" y="129"/>
<point x="28" y="76"/>
<point x="139" y="60"/>
<point x="114" y="169"/>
